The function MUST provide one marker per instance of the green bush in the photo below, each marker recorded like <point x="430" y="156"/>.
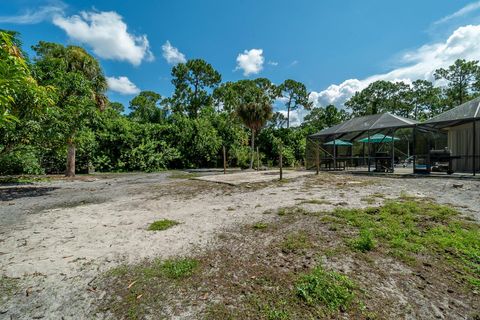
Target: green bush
<point x="24" y="161"/>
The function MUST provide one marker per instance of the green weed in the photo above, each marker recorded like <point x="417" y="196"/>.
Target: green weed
<point x="260" y="225"/>
<point x="162" y="225"/>
<point x="326" y="288"/>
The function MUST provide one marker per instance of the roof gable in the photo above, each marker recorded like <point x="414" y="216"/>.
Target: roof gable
<point x="371" y="122"/>
<point x="468" y="110"/>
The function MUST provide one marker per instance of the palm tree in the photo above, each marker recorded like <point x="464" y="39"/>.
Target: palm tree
<point x="254" y="110"/>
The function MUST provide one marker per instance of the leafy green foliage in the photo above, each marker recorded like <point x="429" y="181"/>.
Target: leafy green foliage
<point x="326" y="288"/>
<point x="20" y="94"/>
<point x="80" y="87"/>
<point x="146" y="108"/>
<point x="23" y="161"/>
<point x="161" y="225"/>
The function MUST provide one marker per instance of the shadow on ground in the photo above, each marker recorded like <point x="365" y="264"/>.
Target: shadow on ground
<point x="13" y="193"/>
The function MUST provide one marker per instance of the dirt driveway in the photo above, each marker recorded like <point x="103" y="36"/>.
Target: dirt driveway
<point x="57" y="237"/>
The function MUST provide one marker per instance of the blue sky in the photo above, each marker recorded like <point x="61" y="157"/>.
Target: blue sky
<point x="334" y="47"/>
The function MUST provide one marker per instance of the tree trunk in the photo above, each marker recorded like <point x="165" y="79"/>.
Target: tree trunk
<point x="70" y="160"/>
<point x="252" y="149"/>
<point x="288" y="117"/>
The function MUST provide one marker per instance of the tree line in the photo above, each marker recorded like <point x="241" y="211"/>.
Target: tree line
<point x="55" y="116"/>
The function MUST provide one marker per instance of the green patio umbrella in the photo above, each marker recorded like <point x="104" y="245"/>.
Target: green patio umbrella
<point x="377" y="138"/>
<point x="338" y="142"/>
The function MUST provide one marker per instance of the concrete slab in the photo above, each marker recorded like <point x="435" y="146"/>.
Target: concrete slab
<point x="236" y="179"/>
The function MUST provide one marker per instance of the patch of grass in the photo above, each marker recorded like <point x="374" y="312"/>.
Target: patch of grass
<point x="295" y="242"/>
<point x="137" y="288"/>
<point x="183" y="175"/>
<point x="23" y="180"/>
<point x="118" y="271"/>
<point x="275" y="313"/>
<point x="260" y="225"/>
<point x="178" y="268"/>
<point x="291" y="211"/>
<point x="330" y="289"/>
<point x="364" y="242"/>
<point x="162" y="225"/>
<point x="316" y="201"/>
<point x="8" y="286"/>
<point x="409" y="227"/>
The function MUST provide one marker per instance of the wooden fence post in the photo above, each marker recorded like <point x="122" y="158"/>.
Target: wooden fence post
<point x="281" y="161"/>
<point x="224" y="161"/>
<point x="258" y="159"/>
<point x="317" y="156"/>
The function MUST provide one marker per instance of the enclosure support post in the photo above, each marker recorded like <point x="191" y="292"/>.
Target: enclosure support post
<point x="363" y="151"/>
<point x="334" y="153"/>
<point x="414" y="146"/>
<point x="224" y="161"/>
<point x="393" y="150"/>
<point x="281" y="161"/>
<point x="474" y="162"/>
<point x="368" y="158"/>
<point x="317" y="156"/>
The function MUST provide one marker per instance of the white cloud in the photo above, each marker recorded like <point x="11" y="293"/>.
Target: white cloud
<point x="107" y="35"/>
<point x="250" y="61"/>
<point x="122" y="85"/>
<point x="296" y="116"/>
<point x="35" y="16"/>
<point x="463" y="43"/>
<point x="172" y="54"/>
<point x="272" y="63"/>
<point x="460" y="13"/>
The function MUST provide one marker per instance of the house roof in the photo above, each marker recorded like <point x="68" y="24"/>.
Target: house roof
<point x="468" y="111"/>
<point x="372" y="122"/>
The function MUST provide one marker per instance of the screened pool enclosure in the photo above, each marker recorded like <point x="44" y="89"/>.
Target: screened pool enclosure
<point x="444" y="144"/>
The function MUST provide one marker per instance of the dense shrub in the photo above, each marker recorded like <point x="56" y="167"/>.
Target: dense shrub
<point x="23" y="161"/>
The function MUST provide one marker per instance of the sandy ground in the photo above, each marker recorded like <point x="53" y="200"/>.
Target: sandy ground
<point x="236" y="179"/>
<point x="56" y="238"/>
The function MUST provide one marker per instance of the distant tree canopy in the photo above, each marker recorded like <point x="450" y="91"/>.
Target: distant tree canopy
<point x="147" y="108"/>
<point x="192" y="81"/>
<point x="458" y="83"/>
<point x="463" y="81"/>
<point x="55" y="116"/>
<point x="295" y="95"/>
